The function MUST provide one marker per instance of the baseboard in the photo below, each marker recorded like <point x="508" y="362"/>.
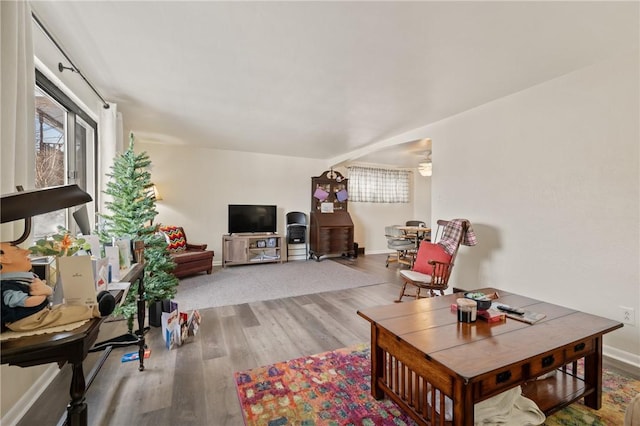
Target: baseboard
<point x="380" y="252"/>
<point x="19" y="409"/>
<point x="626" y="361"/>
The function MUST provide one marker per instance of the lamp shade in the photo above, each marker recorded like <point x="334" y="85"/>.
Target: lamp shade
<point x="23" y="204"/>
<point x="26" y="204"/>
<point x="156" y="193"/>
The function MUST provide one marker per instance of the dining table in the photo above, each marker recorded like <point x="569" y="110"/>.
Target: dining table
<point x="416" y="233"/>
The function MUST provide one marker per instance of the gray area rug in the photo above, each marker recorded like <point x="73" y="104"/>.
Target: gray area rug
<point x="243" y="284"/>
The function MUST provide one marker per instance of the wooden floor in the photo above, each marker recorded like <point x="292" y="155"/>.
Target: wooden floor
<point x="193" y="384"/>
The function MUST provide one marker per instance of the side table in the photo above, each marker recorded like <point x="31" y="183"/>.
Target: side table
<point x="73" y="347"/>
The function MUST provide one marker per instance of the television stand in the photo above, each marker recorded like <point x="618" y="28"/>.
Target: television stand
<point x="244" y="249"/>
<point x="252" y="234"/>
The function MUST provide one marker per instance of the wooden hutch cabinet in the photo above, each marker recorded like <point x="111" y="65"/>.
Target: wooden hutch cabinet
<point x="331" y="230"/>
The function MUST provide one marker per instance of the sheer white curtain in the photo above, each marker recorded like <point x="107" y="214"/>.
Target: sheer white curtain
<point x="17" y="82"/>
<point x="110" y="142"/>
<point x="378" y="185"/>
<point x="17" y="159"/>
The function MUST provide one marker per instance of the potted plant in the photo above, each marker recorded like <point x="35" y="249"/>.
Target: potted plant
<point x="60" y="244"/>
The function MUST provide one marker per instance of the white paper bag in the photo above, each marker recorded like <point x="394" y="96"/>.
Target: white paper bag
<point x="171" y="328"/>
<point x="124" y="245"/>
<point x="94" y="242"/>
<point x="76" y="277"/>
<point x="101" y="273"/>
<point x="113" y="254"/>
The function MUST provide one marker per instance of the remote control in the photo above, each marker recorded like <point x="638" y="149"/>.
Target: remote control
<point x="509" y="309"/>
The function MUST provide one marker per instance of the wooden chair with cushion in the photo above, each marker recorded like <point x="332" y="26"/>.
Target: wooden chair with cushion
<point x="434" y="262"/>
<point x="189" y="258"/>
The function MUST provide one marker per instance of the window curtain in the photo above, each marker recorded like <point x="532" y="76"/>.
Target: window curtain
<point x="377" y="185"/>
<point x="110" y="144"/>
<point x="17" y="108"/>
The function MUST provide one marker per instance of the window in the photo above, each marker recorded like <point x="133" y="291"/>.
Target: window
<point x="65" y="142"/>
<point x="377" y="185"/>
<point x="50" y="141"/>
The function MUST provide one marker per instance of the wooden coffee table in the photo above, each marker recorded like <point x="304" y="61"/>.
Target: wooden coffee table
<point x="420" y="353"/>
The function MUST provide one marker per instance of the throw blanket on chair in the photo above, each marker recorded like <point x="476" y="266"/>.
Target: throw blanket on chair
<point x="452" y="233"/>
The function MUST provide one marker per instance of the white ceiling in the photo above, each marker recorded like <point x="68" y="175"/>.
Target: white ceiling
<point x="323" y="79"/>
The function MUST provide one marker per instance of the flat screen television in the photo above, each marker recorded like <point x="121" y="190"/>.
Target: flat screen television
<point x="245" y="218"/>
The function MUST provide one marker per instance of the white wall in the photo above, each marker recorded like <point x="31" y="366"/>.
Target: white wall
<point x="549" y="177"/>
<point x="197" y="185"/>
<point x="422" y="198"/>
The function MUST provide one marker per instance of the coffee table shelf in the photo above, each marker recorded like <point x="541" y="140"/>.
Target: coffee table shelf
<point x="554" y="393"/>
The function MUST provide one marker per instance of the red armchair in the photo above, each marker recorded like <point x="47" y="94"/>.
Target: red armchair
<point x="190" y="258"/>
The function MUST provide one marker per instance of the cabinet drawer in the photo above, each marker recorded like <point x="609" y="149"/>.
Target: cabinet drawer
<point x="500" y="380"/>
<point x="579" y="350"/>
<point x="324" y="238"/>
<point x="340" y="231"/>
<point x="341" y="236"/>
<point x="546" y="362"/>
<point x="321" y="246"/>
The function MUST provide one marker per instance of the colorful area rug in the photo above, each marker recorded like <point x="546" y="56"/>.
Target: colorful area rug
<point x="333" y="389"/>
<point x="617" y="393"/>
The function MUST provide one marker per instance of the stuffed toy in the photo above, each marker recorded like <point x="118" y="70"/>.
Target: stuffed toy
<point x="25" y="298"/>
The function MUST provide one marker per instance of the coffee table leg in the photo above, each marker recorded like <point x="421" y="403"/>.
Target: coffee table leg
<point x="463" y="406"/>
<point x="593" y="376"/>
<point x="377" y="364"/>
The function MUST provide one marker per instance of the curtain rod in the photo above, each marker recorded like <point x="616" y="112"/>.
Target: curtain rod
<point x="73" y="67"/>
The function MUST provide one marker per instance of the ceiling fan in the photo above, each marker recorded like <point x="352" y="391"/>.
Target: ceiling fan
<point x="424" y="167"/>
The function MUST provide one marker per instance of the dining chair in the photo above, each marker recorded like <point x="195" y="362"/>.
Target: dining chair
<point x="297" y="231"/>
<point x="404" y="247"/>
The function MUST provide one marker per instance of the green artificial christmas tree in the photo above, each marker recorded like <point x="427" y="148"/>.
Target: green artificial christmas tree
<point x="132" y="210"/>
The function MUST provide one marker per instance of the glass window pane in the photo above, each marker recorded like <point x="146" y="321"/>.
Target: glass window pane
<point x="80" y="148"/>
<point x="50" y="122"/>
<point x="65" y="150"/>
<point x="50" y="126"/>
